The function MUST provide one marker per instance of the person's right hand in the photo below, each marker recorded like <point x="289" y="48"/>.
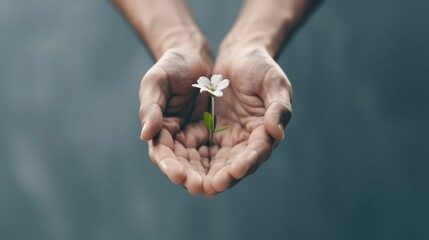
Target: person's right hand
<point x="171" y="115"/>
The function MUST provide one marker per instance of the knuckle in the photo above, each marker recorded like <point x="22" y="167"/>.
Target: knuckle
<point x="283" y="109"/>
<point x="155" y="75"/>
<point x="144" y="108"/>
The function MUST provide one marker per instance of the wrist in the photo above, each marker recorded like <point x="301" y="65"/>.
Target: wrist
<point x="192" y="54"/>
<point x="239" y="41"/>
<point x="189" y="39"/>
<point x="234" y="42"/>
<point x="259" y="36"/>
<point x="265" y="25"/>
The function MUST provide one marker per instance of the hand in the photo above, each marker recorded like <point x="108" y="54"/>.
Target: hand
<point x="171" y="116"/>
<point x="256" y="106"/>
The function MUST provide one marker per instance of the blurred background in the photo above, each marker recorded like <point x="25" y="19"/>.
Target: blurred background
<point x="355" y="164"/>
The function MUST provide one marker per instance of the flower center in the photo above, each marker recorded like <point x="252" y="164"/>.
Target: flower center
<point x="212" y="87"/>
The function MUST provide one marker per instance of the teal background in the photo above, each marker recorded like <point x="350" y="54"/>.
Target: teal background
<point x="354" y="165"/>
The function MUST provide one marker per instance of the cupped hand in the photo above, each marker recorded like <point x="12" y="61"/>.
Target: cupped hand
<point x="256" y="106"/>
<point x="170" y="113"/>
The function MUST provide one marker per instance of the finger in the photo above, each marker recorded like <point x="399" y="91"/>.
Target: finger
<point x="218" y="161"/>
<point x="195" y="173"/>
<point x="277" y="94"/>
<point x="275" y="119"/>
<point x="173" y="169"/>
<point x="194" y="135"/>
<point x="243" y="163"/>
<point x="223" y="179"/>
<point x="258" y="150"/>
<point x="228" y="180"/>
<point x="193" y="181"/>
<point x="207" y="183"/>
<point x="195" y="161"/>
<point x="191" y="160"/>
<point x="161" y="153"/>
<point x="153" y="98"/>
<point x="204" y="153"/>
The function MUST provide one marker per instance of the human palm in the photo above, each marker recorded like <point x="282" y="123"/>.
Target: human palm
<point x="256" y="106"/>
<point x="171" y="117"/>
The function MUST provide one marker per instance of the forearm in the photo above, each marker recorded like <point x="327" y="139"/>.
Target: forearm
<point x="265" y="23"/>
<point x="163" y="24"/>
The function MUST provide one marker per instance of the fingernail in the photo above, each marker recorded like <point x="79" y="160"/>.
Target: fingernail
<point x="282" y="130"/>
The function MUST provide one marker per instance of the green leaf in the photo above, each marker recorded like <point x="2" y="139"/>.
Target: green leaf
<point x="221" y="129"/>
<point x="208" y="120"/>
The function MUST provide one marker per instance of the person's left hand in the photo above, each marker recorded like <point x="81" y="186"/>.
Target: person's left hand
<point x="256" y="106"/>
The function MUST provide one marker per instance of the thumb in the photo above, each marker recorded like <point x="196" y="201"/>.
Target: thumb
<point x="277" y="99"/>
<point x="153" y="99"/>
<point x="276" y="118"/>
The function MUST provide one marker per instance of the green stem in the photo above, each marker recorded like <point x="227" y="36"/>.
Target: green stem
<point x="213" y="122"/>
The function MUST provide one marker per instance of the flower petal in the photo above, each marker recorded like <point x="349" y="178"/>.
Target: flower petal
<point x="215" y="79"/>
<point x="222" y="85"/>
<point x="202" y="89"/>
<point x="197" y="85"/>
<point x="216" y="93"/>
<point x="203" y="81"/>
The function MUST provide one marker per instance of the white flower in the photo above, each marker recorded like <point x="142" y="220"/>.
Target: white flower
<point x="214" y="86"/>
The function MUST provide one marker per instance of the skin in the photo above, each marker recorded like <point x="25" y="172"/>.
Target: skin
<point x="171" y="109"/>
<point x="171" y="117"/>
<point x="262" y="95"/>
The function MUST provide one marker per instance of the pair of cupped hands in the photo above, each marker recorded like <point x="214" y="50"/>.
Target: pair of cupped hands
<point x="256" y="106"/>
